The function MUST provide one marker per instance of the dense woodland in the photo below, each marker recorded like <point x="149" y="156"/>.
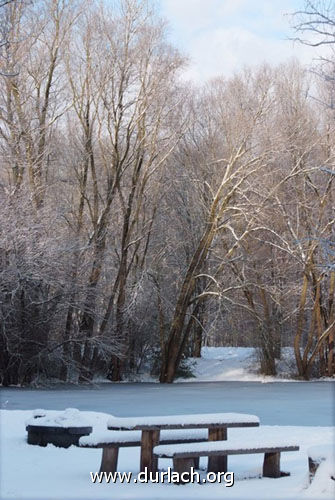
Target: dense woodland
<point x="142" y="216"/>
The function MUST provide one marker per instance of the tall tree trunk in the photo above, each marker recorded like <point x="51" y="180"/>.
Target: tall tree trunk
<point x="300" y="324"/>
<point x="331" y="310"/>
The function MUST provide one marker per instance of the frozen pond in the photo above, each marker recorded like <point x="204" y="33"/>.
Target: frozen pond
<point x="277" y="403"/>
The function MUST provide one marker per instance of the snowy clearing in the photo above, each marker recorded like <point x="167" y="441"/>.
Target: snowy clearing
<point x="221" y="364"/>
<point x="218" y="364"/>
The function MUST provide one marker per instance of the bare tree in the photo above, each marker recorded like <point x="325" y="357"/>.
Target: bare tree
<point x="30" y="108"/>
<point x="241" y="159"/>
<point x="317" y="22"/>
<point x="123" y="105"/>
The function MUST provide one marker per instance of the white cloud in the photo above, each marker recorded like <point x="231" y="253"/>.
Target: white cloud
<point x="221" y="36"/>
<point x="224" y="51"/>
<point x="188" y="15"/>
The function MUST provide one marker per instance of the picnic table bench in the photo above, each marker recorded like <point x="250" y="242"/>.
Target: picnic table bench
<point x="150" y="427"/>
<point x="184" y="454"/>
<point x="112" y="441"/>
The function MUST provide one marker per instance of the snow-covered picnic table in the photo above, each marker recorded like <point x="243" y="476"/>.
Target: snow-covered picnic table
<point x="150" y="427"/>
<point x="62" y="430"/>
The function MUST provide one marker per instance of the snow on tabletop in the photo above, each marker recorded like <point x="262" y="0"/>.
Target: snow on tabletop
<point x="184" y="420"/>
<point x="135" y="436"/>
<point x="71" y="417"/>
<point x="321" y="452"/>
<point x="231" y="444"/>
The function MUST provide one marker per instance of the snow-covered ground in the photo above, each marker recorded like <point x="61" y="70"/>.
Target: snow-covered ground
<point x="218" y="364"/>
<point x="225" y="363"/>
<point x="301" y="412"/>
<point x="31" y="472"/>
<point x="238" y="364"/>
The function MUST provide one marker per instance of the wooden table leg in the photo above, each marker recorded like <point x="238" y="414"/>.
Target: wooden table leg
<point x="148" y="441"/>
<point x="217" y="464"/>
<point x="181" y="465"/>
<point x="271" y="465"/>
<point x="109" y="459"/>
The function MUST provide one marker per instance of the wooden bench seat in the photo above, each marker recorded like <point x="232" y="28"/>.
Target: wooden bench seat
<point x="111" y="441"/>
<point x="184" y="454"/>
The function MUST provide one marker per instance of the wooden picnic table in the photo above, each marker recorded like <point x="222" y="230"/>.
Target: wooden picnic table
<point x="63" y="429"/>
<point x="216" y="423"/>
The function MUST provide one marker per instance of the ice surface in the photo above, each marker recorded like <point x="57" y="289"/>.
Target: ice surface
<point x="297" y="403"/>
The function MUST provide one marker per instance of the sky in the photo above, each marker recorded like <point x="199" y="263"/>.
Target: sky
<point x="220" y="37"/>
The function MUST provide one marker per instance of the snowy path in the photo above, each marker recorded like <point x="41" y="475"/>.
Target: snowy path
<point x="219" y="364"/>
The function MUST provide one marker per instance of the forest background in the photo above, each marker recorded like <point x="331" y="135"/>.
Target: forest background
<point x="142" y="216"/>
